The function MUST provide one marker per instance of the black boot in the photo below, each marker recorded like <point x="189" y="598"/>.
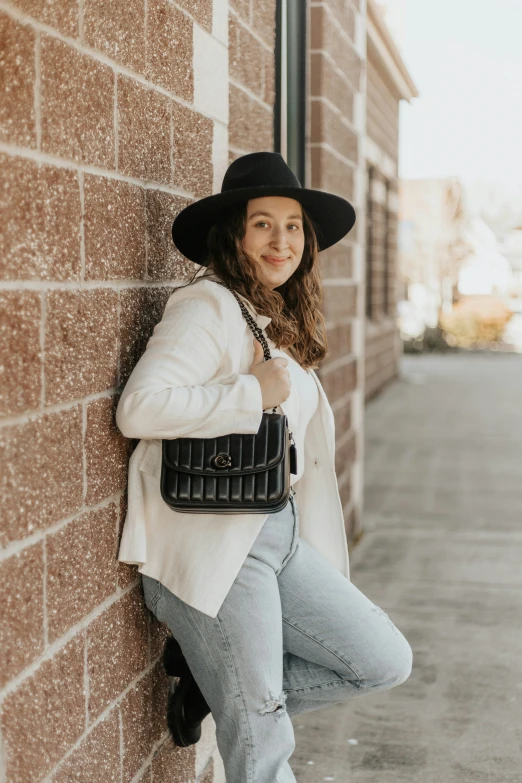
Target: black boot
<point x="186" y="704"/>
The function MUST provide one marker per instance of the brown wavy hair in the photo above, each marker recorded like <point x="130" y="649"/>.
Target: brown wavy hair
<point x="295" y="307"/>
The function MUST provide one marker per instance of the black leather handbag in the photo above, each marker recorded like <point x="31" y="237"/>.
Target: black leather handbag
<point x="231" y="474"/>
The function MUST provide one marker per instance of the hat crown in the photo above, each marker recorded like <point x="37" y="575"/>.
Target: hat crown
<point x="259" y="169"/>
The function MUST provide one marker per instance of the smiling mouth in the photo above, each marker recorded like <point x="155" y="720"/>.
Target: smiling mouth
<point x="275" y="260"/>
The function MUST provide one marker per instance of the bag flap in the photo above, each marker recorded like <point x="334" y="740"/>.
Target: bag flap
<point x="237" y="453"/>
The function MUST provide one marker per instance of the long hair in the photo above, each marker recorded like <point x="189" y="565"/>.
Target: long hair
<point x="295" y="307"/>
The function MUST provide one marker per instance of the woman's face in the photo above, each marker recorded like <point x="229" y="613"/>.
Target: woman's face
<point x="274" y="237"/>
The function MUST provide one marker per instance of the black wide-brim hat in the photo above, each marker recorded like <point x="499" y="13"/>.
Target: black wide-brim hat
<point x="252" y="176"/>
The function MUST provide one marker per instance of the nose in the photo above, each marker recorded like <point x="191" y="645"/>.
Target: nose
<point x="279" y="238"/>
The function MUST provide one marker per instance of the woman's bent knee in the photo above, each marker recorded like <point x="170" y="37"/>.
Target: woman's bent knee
<point x="393" y="663"/>
<point x="404" y="664"/>
<point x="392" y="669"/>
<point x="399" y="665"/>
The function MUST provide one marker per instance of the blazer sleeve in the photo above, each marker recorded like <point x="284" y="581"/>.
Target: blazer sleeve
<point x="168" y="395"/>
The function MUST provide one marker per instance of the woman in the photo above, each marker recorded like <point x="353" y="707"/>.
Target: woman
<point x="266" y="622"/>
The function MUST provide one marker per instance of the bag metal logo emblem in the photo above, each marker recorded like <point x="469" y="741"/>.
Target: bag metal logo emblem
<point x="221" y="460"/>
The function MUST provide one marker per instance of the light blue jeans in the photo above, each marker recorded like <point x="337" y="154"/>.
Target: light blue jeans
<point x="292" y="635"/>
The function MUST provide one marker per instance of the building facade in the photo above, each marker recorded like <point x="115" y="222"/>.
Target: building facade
<point x="388" y="82"/>
<point x="114" y="117"/>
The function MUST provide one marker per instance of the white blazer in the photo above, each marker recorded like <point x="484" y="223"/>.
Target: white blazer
<point x="193" y="380"/>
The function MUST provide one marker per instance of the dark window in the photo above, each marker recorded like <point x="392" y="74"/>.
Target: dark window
<point x="369" y="242"/>
<point x="290" y="98"/>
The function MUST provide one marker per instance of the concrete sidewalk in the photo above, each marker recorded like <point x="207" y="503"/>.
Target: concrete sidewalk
<point x="442" y="554"/>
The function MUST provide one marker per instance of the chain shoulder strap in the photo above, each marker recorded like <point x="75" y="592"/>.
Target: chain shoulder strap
<point x="258" y="332"/>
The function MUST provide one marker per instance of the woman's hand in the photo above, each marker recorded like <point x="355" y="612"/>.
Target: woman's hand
<point x="272" y="375"/>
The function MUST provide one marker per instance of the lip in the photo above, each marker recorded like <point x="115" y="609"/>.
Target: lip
<point x="274" y="260"/>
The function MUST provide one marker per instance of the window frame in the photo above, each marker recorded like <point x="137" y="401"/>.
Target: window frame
<point x="291" y="85"/>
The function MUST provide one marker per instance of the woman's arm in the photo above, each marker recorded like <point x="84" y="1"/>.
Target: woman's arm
<point x="166" y="396"/>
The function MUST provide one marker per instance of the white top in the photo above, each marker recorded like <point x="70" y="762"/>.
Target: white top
<point x="304" y="387"/>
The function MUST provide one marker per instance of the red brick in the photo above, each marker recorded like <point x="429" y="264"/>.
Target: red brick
<point x="353" y="524"/>
<point x="331" y="173"/>
<point x="382" y="112"/>
<point x="22" y="590"/>
<point x="143" y="132"/>
<point x="349" y="376"/>
<point x="343" y="417"/>
<point x="20" y="359"/>
<point x="77" y="105"/>
<point x="345" y="455"/>
<point x="158" y="633"/>
<point x="174" y="765"/>
<point x="264" y="21"/>
<point x="246" y="58"/>
<point x="270" y="86"/>
<point x="114" y="224"/>
<point x="200" y="10"/>
<point x="81" y="568"/>
<point x="164" y="261"/>
<point x="106" y="451"/>
<point x="337" y="261"/>
<point x="344" y="16"/>
<point x="326" y="35"/>
<point x="96" y="758"/>
<point x="17" y="77"/>
<point x="208" y="774"/>
<point x="140" y="310"/>
<point x="346" y="494"/>
<point x="41" y="214"/>
<point x="340" y="302"/>
<point x="118" y="636"/>
<point x="317" y="26"/>
<point x="251" y="125"/>
<point x="81" y="347"/>
<point x="233" y="43"/>
<point x="339" y="341"/>
<point x="45" y="716"/>
<point x="118" y="30"/>
<point x="170" y="49"/>
<point x="143" y="714"/>
<point x="63" y="16"/>
<point x="193" y="135"/>
<point x="327" y="127"/>
<point x="338" y="381"/>
<point x="126" y="573"/>
<point x="43" y="481"/>
<point x="242" y="9"/>
<point x="326" y="82"/>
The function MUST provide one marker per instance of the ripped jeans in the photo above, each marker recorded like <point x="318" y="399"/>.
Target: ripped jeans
<point x="292" y="635"/>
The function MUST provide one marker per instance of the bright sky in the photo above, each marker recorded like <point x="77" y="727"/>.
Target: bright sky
<point x="465" y="57"/>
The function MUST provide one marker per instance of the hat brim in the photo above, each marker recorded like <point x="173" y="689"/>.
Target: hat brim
<point x="332" y="215"/>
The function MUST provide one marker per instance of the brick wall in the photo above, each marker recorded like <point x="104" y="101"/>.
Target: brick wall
<point x="337" y="84"/>
<point x="251" y="76"/>
<point x="383" y="347"/>
<point x="115" y="116"/>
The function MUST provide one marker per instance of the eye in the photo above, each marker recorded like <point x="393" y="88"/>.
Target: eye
<point x="263" y="222"/>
